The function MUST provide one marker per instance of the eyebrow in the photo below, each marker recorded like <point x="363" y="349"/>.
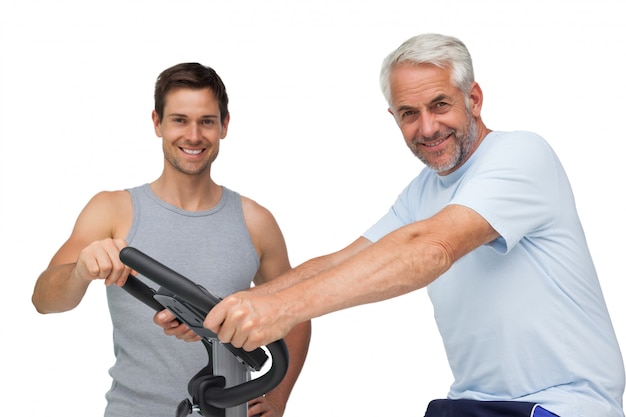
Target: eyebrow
<point x="437" y="99"/>
<point x="206" y="116"/>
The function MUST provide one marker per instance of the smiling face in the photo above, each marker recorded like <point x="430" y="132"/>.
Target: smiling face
<point x="439" y="127"/>
<point x="191" y="129"/>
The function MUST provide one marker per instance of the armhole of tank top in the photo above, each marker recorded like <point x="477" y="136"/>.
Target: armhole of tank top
<point x="134" y="224"/>
<point x="242" y="218"/>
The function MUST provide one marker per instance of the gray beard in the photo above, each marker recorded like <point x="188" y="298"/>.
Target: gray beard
<point x="465" y="145"/>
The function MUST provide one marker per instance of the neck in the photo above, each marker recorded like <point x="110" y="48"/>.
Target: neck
<point x="191" y="193"/>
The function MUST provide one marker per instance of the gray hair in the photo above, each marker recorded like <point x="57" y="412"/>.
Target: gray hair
<point x="440" y="50"/>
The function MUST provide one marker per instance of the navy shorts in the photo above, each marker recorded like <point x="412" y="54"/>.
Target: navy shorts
<point x="472" y="408"/>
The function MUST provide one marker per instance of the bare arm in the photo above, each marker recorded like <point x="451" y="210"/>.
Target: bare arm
<point x="311" y="268"/>
<point x="403" y="261"/>
<point x="90" y="253"/>
<point x="274" y="261"/>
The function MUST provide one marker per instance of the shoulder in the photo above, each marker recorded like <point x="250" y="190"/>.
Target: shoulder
<point x="267" y="239"/>
<point x="108" y="214"/>
<point x="261" y="224"/>
<point x="254" y="213"/>
<point x="516" y="141"/>
<point x="117" y="197"/>
<point x="522" y="149"/>
<point x="110" y="201"/>
<point x="110" y="210"/>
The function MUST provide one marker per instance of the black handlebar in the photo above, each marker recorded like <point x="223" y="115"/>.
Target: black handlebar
<point x="191" y="303"/>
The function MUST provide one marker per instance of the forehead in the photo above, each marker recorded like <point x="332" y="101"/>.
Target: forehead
<point x="419" y="83"/>
<point x="184" y="100"/>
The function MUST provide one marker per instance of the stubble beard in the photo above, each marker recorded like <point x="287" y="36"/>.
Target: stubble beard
<point x="463" y="146"/>
<point x="180" y="167"/>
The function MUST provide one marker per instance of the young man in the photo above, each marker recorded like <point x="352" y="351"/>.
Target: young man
<point x="204" y="231"/>
<point x="490" y="228"/>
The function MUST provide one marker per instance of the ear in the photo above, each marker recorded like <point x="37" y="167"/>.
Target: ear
<point x="390" y="110"/>
<point x="157" y="123"/>
<point x="225" y="126"/>
<point x="476" y="99"/>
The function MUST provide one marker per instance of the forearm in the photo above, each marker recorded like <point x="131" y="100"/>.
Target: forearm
<point x="300" y="273"/>
<point x="58" y="289"/>
<point x="403" y="261"/>
<point x="395" y="265"/>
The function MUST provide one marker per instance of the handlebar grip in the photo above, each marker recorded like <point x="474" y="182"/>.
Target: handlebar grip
<point x="142" y="292"/>
<point x="169" y="279"/>
<point x="204" y="301"/>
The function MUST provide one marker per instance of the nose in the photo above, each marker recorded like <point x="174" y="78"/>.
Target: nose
<point x="428" y="124"/>
<point x="193" y="132"/>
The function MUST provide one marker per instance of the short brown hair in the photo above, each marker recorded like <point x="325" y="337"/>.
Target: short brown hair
<point x="190" y="75"/>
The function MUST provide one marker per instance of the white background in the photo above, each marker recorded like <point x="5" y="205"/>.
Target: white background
<point x="310" y="139"/>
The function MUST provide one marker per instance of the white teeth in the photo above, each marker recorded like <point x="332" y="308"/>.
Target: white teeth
<point x="430" y="145"/>
<point x="192" y="151"/>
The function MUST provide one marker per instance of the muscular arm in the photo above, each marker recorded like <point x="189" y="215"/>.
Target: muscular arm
<point x="90" y="253"/>
<point x="274" y="261"/>
<point x="403" y="261"/>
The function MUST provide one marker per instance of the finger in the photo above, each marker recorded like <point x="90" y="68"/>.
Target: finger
<point x="256" y="407"/>
<point x="96" y="261"/>
<point x="175" y="328"/>
<point x="125" y="269"/>
<point x="163" y="317"/>
<point x="237" y="327"/>
<point x="191" y="336"/>
<point x="214" y="320"/>
<point x="104" y="269"/>
<point x="118" y="271"/>
<point x="226" y="334"/>
<point x="182" y="332"/>
<point x="239" y="338"/>
<point x="90" y="266"/>
<point x="124" y="276"/>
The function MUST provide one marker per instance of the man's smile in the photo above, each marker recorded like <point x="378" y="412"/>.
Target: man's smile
<point x="192" y="151"/>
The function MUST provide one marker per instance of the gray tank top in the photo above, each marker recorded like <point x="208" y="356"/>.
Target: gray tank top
<point x="212" y="248"/>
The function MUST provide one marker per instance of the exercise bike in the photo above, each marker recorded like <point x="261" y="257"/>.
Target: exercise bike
<point x="223" y="387"/>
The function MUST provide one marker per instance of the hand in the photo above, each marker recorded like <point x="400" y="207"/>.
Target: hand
<point x="249" y="320"/>
<point x="101" y="260"/>
<point x="263" y="407"/>
<point x="172" y="327"/>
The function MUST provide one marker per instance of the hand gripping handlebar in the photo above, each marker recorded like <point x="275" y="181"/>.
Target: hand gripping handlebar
<point x="190" y="303"/>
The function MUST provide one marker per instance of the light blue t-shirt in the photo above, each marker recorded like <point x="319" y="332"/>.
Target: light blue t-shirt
<point x="522" y="318"/>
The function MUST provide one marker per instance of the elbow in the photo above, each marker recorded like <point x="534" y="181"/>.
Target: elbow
<point x="38" y="300"/>
<point x="442" y="258"/>
<point x="432" y="262"/>
<point x="44" y="306"/>
<point x="37" y="306"/>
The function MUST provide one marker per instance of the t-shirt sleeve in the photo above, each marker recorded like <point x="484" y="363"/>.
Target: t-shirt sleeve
<point x="405" y="210"/>
<point x="514" y="186"/>
<point x="397" y="216"/>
